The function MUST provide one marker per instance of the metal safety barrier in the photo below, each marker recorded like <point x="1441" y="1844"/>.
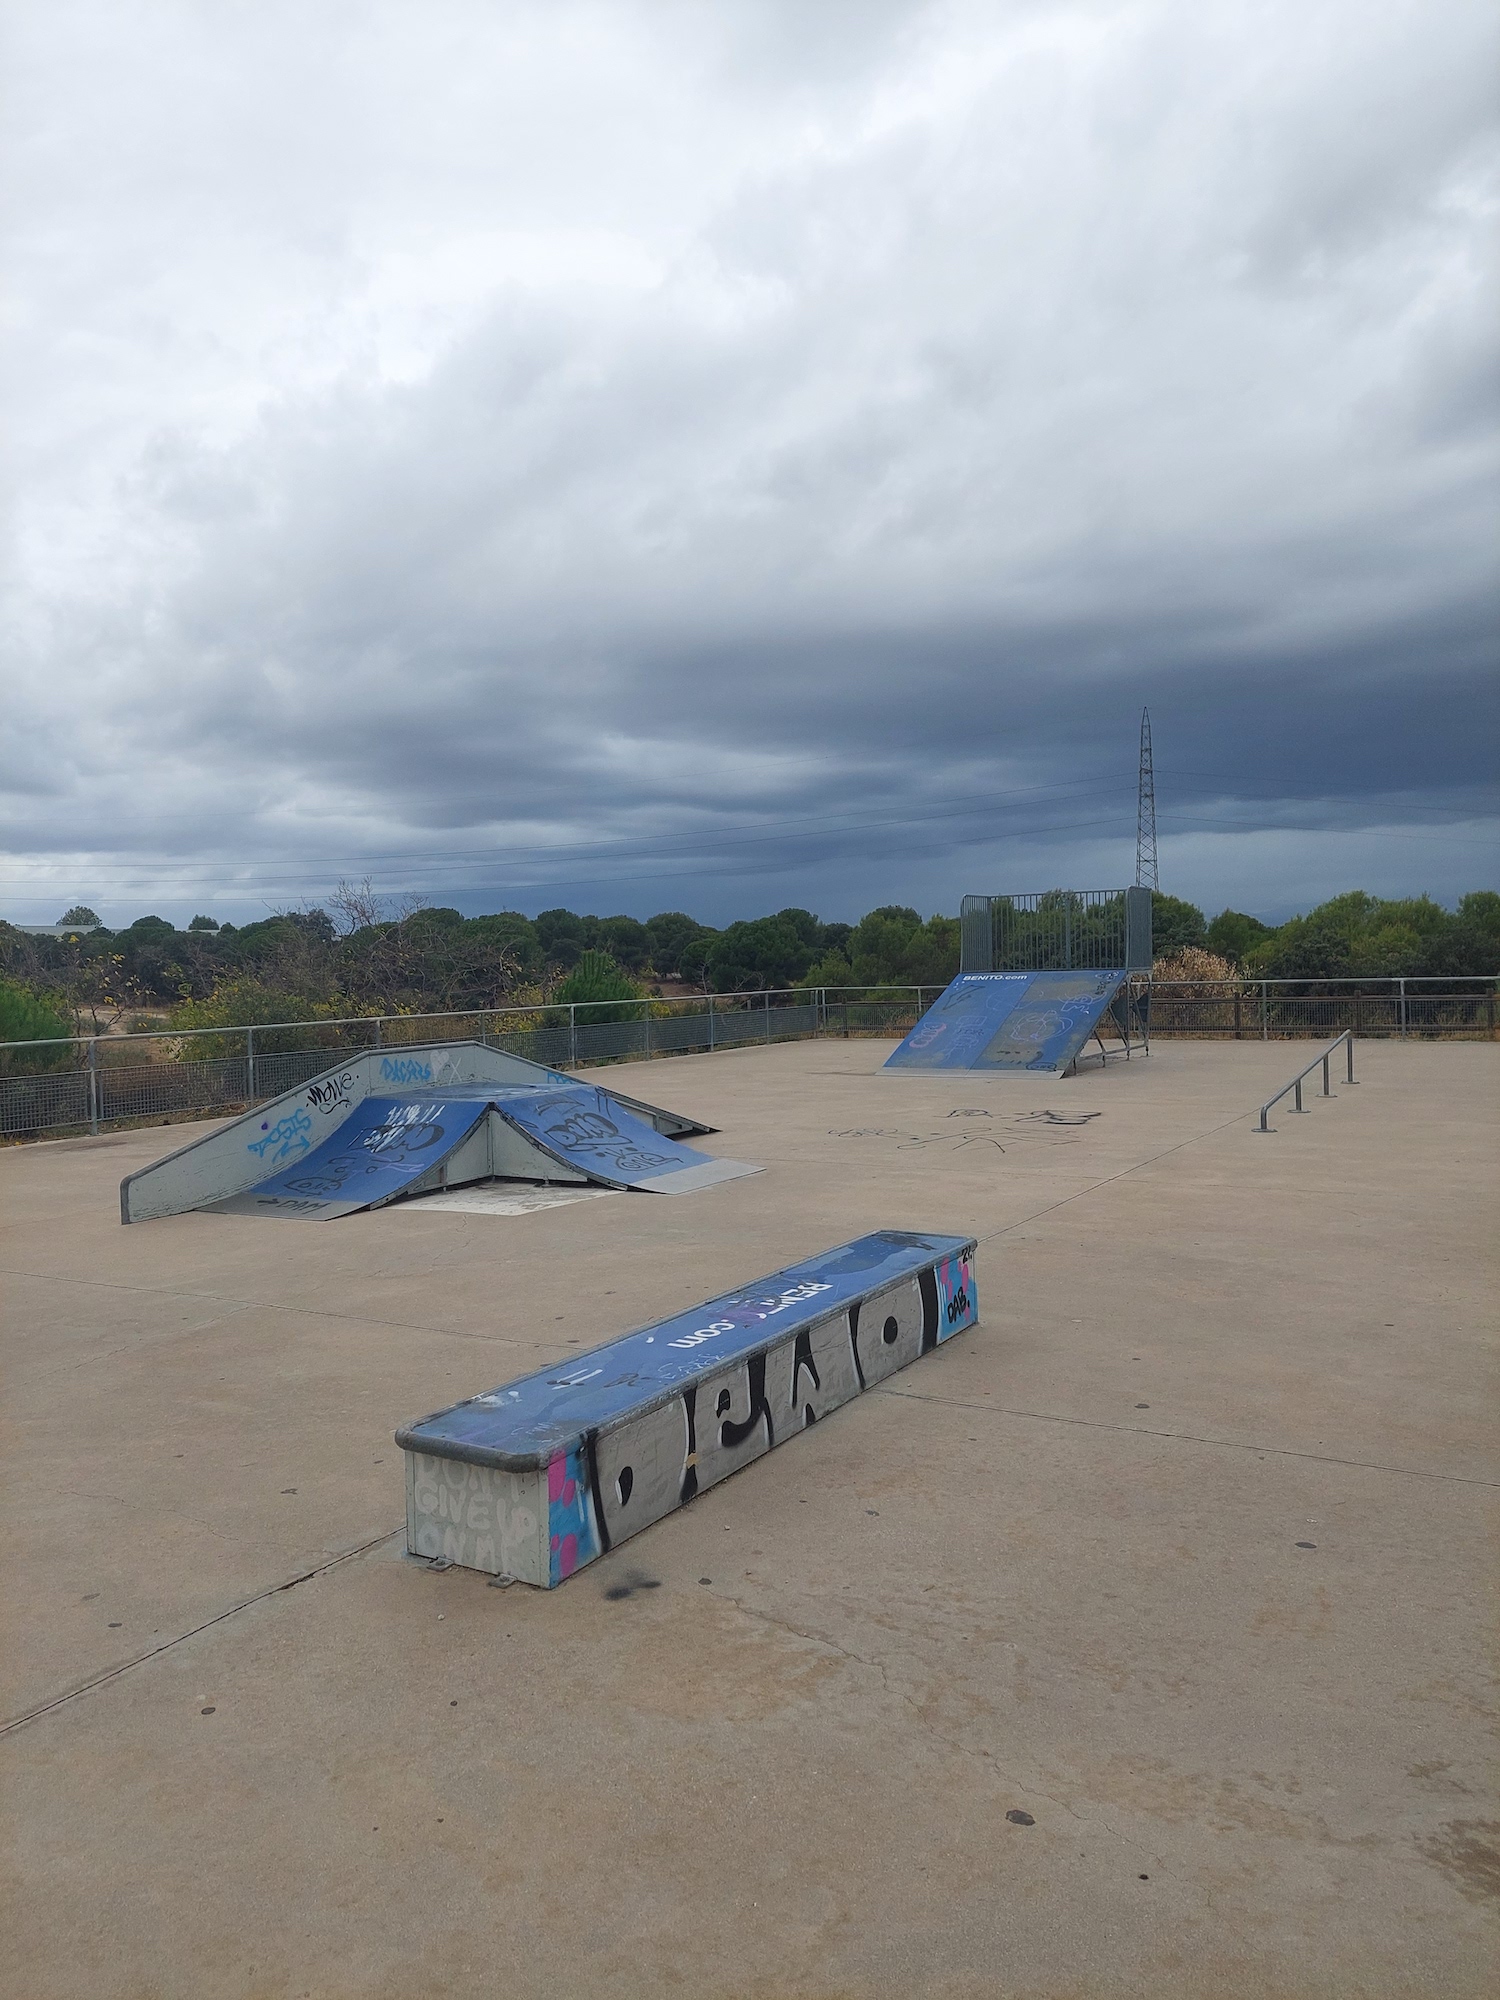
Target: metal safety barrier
<point x="1325" y="1057"/>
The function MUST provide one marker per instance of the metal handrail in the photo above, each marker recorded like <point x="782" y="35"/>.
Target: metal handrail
<point x="1347" y="1039"/>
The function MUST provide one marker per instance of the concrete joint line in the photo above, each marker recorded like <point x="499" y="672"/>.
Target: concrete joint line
<point x="273" y="1590"/>
<point x="1124" y="1172"/>
<point x="1186" y="1437"/>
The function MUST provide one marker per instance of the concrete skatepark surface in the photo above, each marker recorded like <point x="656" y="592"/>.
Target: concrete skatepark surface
<point x="770" y="1746"/>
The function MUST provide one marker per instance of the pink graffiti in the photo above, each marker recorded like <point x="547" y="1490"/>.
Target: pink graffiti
<point x="566" y="1552"/>
<point x="559" y="1486"/>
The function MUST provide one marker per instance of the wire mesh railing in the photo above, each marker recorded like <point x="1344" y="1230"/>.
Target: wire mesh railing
<point x="83" y="1082"/>
<point x="1056" y="930"/>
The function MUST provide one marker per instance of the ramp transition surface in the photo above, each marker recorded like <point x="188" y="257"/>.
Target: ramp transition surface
<point x="390" y="1143"/>
<point x="1009" y="1020"/>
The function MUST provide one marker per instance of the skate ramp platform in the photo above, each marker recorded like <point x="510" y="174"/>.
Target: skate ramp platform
<point x="542" y="1475"/>
<point x="1010" y="1020"/>
<point x="381" y="1126"/>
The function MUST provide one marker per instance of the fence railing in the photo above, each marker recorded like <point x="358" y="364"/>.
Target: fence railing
<point x="82" y="1082"/>
<point x="1056" y="930"/>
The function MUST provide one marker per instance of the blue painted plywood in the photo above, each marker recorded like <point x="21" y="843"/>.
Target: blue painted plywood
<point x="1009" y="1020"/>
<point x="384" y="1145"/>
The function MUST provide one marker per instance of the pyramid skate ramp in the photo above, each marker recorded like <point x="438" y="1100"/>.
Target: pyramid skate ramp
<point x="379" y="1125"/>
<point x="414" y="1142"/>
<point x="1010" y="1020"/>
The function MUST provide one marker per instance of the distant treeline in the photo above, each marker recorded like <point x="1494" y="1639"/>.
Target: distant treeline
<point x="354" y="958"/>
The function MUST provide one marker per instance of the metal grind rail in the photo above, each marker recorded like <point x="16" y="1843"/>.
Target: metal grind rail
<point x="1325" y="1057"/>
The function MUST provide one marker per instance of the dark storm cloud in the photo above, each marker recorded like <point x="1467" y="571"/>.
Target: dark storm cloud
<point x="731" y="459"/>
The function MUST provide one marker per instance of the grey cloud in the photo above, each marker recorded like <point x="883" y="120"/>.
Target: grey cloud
<point x="696" y="427"/>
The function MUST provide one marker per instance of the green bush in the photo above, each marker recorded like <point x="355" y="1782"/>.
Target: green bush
<point x="243" y="1003"/>
<point x="597" y="979"/>
<point x="27" y="1017"/>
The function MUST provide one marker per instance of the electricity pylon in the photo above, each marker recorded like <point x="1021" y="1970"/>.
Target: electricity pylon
<point x="1145" y="813"/>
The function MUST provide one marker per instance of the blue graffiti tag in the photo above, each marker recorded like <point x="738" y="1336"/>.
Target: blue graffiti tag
<point x="404" y="1069"/>
<point x="285" y="1139"/>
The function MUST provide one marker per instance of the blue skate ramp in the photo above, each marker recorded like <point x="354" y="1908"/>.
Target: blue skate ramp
<point x="587" y="1129"/>
<point x="375" y="1155"/>
<point x="390" y="1144"/>
<point x="1009" y="1020"/>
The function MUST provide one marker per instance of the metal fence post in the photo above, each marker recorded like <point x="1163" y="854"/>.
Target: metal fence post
<point x="710" y="1023"/>
<point x="767" y="998"/>
<point x="1349" y="1046"/>
<point x="1238" y="1015"/>
<point x="94" y="1085"/>
<point x="648" y="1027"/>
<point x="379" y="1025"/>
<point x="249" y="1065"/>
<point x="573" y="1034"/>
<point x="1401" y="1014"/>
<point x="1265" y="1031"/>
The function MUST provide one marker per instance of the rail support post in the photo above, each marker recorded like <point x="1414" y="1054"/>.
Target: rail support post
<point x="572" y="1034"/>
<point x="1349" y="1050"/>
<point x="249" y="1065"/>
<point x="94" y="1085"/>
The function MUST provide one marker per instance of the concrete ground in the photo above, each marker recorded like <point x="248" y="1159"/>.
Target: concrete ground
<point x="1183" y="1555"/>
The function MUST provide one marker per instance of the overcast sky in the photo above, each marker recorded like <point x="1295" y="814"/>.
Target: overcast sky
<point x="673" y="455"/>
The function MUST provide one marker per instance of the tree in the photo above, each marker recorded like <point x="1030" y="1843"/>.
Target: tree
<point x="877" y="950"/>
<point x="509" y="932"/>
<point x="79" y="914"/>
<point x="203" y="924"/>
<point x="931" y="955"/>
<point x="596" y="982"/>
<point x="356" y="906"/>
<point x="561" y="935"/>
<point x="626" y="940"/>
<point x="1233" y="934"/>
<point x="749" y="957"/>
<point x="671" y="933"/>
<point x="1175" y="923"/>
<point x="1359" y="936"/>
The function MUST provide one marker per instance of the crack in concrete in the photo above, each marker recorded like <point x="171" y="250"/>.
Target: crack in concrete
<point x="155" y="1652"/>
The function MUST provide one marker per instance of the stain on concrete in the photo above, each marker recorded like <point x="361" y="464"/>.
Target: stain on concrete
<point x="1468" y="1852"/>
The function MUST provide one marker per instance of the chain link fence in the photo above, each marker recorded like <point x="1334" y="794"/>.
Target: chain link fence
<point x="88" y="1082"/>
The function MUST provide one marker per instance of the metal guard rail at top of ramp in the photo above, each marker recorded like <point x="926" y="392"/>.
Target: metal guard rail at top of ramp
<point x="1324" y="1056"/>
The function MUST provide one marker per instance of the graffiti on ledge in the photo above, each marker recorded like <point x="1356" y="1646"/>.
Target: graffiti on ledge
<point x="628" y="1476"/>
